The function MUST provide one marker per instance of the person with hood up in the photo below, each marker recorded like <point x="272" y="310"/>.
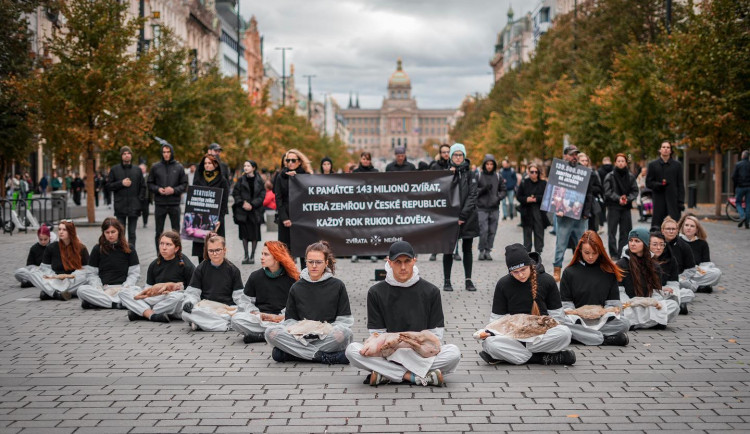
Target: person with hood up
<point x="620" y="190"/>
<point x="365" y="164"/>
<point x="468" y="222"/>
<point x="326" y="166"/>
<point x="209" y="175"/>
<point x="400" y="164"/>
<point x="511" y="180"/>
<point x="669" y="274"/>
<point x="126" y="182"/>
<point x="249" y="194"/>
<point x="167" y="181"/>
<point x="533" y="219"/>
<point x="490" y="192"/>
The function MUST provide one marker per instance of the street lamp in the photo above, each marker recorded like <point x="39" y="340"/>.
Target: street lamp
<point x="283" y="73"/>
<point x="309" y="96"/>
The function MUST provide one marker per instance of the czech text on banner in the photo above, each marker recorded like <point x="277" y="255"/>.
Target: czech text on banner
<point x="566" y="189"/>
<point x="201" y="212"/>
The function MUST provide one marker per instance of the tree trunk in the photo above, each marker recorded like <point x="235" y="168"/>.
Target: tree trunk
<point x="718" y="177"/>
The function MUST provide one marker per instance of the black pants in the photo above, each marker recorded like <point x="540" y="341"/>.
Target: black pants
<point x="144" y="212"/>
<point x="618" y="216"/>
<point x="467" y="259"/>
<point x="131" y="223"/>
<point x="533" y="226"/>
<point x="160" y="215"/>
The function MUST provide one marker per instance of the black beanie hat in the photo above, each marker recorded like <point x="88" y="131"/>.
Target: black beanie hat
<point x="516" y="257"/>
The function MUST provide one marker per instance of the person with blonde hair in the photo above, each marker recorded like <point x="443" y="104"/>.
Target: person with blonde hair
<point x="295" y="162"/>
<point x="707" y="274"/>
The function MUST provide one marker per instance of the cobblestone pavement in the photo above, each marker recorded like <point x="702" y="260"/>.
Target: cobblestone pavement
<point x="64" y="369"/>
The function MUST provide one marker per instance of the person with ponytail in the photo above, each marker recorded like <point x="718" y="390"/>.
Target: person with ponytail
<point x="62" y="269"/>
<point x="591" y="279"/>
<point x="316" y="296"/>
<point x="695" y="236"/>
<point x="669" y="271"/>
<point x="641" y="279"/>
<point x="170" y="266"/>
<point x="113" y="266"/>
<point x="36" y="254"/>
<point x="266" y="292"/>
<point x="527" y="289"/>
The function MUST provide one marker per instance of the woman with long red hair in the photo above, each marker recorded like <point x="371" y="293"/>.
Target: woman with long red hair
<point x="266" y="291"/>
<point x="591" y="279"/>
<point x="61" y="271"/>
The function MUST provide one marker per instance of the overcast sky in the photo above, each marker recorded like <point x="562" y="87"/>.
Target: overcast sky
<point x="352" y="45"/>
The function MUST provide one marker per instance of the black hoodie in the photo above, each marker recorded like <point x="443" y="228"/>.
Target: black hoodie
<point x="167" y="173"/>
<point x="512" y="296"/>
<point x="490" y="186"/>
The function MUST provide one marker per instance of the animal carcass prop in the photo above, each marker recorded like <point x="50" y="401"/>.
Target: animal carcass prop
<point x="519" y="326"/>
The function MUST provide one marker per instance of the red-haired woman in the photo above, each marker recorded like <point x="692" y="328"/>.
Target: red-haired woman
<point x="209" y="174"/>
<point x="707" y="274"/>
<point x="113" y="266"/>
<point x="591" y="279"/>
<point x="36" y="254"/>
<point x="62" y="270"/>
<point x="527" y="289"/>
<point x="266" y="292"/>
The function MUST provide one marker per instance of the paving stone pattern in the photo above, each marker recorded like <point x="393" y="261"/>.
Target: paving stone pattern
<point x="64" y="369"/>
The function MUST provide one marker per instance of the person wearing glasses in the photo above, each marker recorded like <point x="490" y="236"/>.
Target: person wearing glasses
<point x="405" y="302"/>
<point x="216" y="280"/>
<point x="692" y="231"/>
<point x="669" y="270"/>
<point x="113" y="266"/>
<point x="529" y="290"/>
<point x="316" y="296"/>
<point x="533" y="220"/>
<point x="295" y="163"/>
<point x="209" y="175"/>
<point x="166" y="181"/>
<point x="677" y="245"/>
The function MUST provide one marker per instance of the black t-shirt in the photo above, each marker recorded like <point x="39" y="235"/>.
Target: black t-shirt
<point x="585" y="284"/>
<point x="410" y="309"/>
<point x="217" y="283"/>
<point x="113" y="266"/>
<point x="53" y="258"/>
<point x="36" y="255"/>
<point x="318" y="301"/>
<point x="163" y="271"/>
<point x="271" y="293"/>
<point x="512" y="296"/>
<point x="700" y="250"/>
<point x="668" y="267"/>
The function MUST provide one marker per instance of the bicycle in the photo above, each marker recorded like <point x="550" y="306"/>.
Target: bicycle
<point x="730" y="209"/>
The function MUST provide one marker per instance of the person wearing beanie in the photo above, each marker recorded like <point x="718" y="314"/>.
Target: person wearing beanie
<point x="527" y="289"/>
<point x="400" y="164"/>
<point x="490" y="192"/>
<point x="326" y="166"/>
<point x="36" y="254"/>
<point x="465" y="182"/>
<point x="641" y="279"/>
<point x="620" y="190"/>
<point x="126" y="182"/>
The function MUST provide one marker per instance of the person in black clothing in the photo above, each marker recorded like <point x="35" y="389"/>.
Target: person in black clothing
<point x="77" y="186"/>
<point x="129" y="188"/>
<point x="147" y="196"/>
<point x="266" y="292"/>
<point x="248" y="195"/>
<point x="62" y="269"/>
<point x="167" y="181"/>
<point x="443" y="162"/>
<point x="326" y="166"/>
<point x="490" y="192"/>
<point x="591" y="280"/>
<point x="35" y="257"/>
<point x="603" y="171"/>
<point x="214" y="149"/>
<point x="741" y="180"/>
<point x="468" y="221"/>
<point x="597" y="193"/>
<point x="296" y="163"/>
<point x="170" y="266"/>
<point x="400" y="164"/>
<point x="209" y="175"/>
<point x="665" y="179"/>
<point x="620" y="190"/>
<point x="404" y="302"/>
<point x="533" y="219"/>
<point x="365" y="164"/>
<point x="669" y="270"/>
<point x="695" y="236"/>
<point x="316" y="296"/>
<point x="678" y="246"/>
<point x="527" y="289"/>
<point x="211" y="298"/>
<point x="113" y="265"/>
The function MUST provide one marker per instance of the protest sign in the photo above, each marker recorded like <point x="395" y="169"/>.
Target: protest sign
<point x="201" y="212"/>
<point x="364" y="213"/>
<point x="566" y="189"/>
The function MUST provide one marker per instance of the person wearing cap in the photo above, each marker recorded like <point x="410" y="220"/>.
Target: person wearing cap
<point x="527" y="289"/>
<point x="568" y="228"/>
<point x="215" y="150"/>
<point x="400" y="164"/>
<point x="126" y="182"/>
<point x="641" y="279"/>
<point x="468" y="222"/>
<point x="167" y="181"/>
<point x="405" y="302"/>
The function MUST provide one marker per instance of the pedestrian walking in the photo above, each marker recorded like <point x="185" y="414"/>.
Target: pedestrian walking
<point x="148" y="196"/>
<point x="443" y="161"/>
<point x="620" y="190"/>
<point x="248" y="194"/>
<point x="666" y="181"/>
<point x="167" y="181"/>
<point x="511" y="181"/>
<point x="214" y="149"/>
<point x="490" y="192"/>
<point x="741" y="180"/>
<point x="128" y="188"/>
<point x="77" y="187"/>
<point x="43" y="184"/>
<point x="533" y="219"/>
<point x="209" y="175"/>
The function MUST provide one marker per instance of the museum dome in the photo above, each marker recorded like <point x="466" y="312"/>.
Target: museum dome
<point x="399" y="78"/>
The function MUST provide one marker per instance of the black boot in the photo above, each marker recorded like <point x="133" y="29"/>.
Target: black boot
<point x="564" y="357"/>
<point x="159" y="317"/>
<point x="433" y="257"/>
<point x="246" y="259"/>
<point x="683" y="309"/>
<point x="281" y="357"/>
<point x="132" y="316"/>
<point x="489" y="359"/>
<point x="481" y="255"/>
<point x="26" y="284"/>
<point x="61" y="296"/>
<point x="86" y="305"/>
<point x="470" y="285"/>
<point x="252" y="337"/>
<point x="43" y="296"/>
<point x="705" y="289"/>
<point x="332" y="358"/>
<point x="447" y="285"/>
<point x="618" y="340"/>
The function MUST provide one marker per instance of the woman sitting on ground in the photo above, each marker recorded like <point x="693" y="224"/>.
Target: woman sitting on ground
<point x="62" y="269"/>
<point x="36" y="254"/>
<point x="266" y="292"/>
<point x="171" y="267"/>
<point x="591" y="279"/>
<point x="679" y="248"/>
<point x="113" y="266"/>
<point x="669" y="270"/>
<point x="316" y="296"/>
<point x="695" y="236"/>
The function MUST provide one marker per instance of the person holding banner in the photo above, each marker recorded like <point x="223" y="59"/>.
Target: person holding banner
<point x="365" y="164"/>
<point x="399" y="164"/>
<point x="295" y="163"/>
<point x="209" y="175"/>
<point x="248" y="195"/>
<point x="533" y="219"/>
<point x="167" y="181"/>
<point x="62" y="270"/>
<point x="465" y="180"/>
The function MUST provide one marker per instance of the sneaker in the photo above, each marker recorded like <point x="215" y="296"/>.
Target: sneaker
<point x="62" y="295"/>
<point x="26" y="284"/>
<point x="456" y="257"/>
<point x="86" y="305"/>
<point x="470" y="285"/>
<point x="252" y="260"/>
<point x="355" y="258"/>
<point x="564" y="357"/>
<point x="373" y="259"/>
<point x="117" y="305"/>
<point x="705" y="289"/>
<point x="43" y="296"/>
<point x="159" y="317"/>
<point x="433" y="378"/>
<point x="281" y="356"/>
<point x="333" y="358"/>
<point x="132" y="316"/>
<point x="253" y="337"/>
<point x="481" y="255"/>
<point x="660" y="327"/>
<point x="376" y="378"/>
<point x="447" y="286"/>
<point x="618" y="340"/>
<point x="487" y="256"/>
<point x="433" y="257"/>
<point x="683" y="309"/>
<point x="489" y="359"/>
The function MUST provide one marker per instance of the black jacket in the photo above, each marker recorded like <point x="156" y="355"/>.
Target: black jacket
<point x="526" y="189"/>
<point x="612" y="191"/>
<point x="363" y="169"/>
<point x="217" y="182"/>
<point x="167" y="174"/>
<point x="490" y="187"/>
<point x="406" y="167"/>
<point x="440" y="164"/>
<point x="466" y="182"/>
<point x="669" y="198"/>
<point x="281" y="190"/>
<point x="127" y="199"/>
<point x="252" y="191"/>
<point x="741" y="174"/>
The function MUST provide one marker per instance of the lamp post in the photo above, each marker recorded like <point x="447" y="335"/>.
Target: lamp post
<point x="283" y="73"/>
<point x="309" y="96"/>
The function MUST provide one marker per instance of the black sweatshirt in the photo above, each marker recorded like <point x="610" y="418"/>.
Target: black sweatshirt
<point x="113" y="266"/>
<point x="36" y="255"/>
<point x="323" y="300"/>
<point x="53" y="258"/>
<point x="217" y="283"/>
<point x="512" y="296"/>
<point x="404" y="309"/>
<point x="700" y="250"/>
<point x="584" y="284"/>
<point x="627" y="280"/>
<point x="682" y="253"/>
<point x="669" y="269"/>
<point x="271" y="293"/>
<point x="163" y="271"/>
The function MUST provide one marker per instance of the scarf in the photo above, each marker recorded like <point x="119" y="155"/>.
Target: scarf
<point x="622" y="180"/>
<point x="273" y="274"/>
<point x="391" y="280"/>
<point x="209" y="176"/>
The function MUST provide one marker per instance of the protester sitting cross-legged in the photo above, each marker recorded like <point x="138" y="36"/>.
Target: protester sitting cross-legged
<point x="216" y="285"/>
<point x="591" y="280"/>
<point x="321" y="300"/>
<point x="266" y="292"/>
<point x="62" y="271"/>
<point x="113" y="265"/>
<point x="36" y="254"/>
<point x="696" y="237"/>
<point x="166" y="279"/>
<point x="405" y="313"/>
<point x="669" y="274"/>
<point x="527" y="289"/>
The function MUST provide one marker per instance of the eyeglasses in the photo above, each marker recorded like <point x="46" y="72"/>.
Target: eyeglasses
<point x="314" y="263"/>
<point x="215" y="251"/>
<point x="291" y="160"/>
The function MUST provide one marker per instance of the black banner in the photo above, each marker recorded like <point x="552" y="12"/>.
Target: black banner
<point x="364" y="213"/>
<point x="566" y="189"/>
<point x="201" y="212"/>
